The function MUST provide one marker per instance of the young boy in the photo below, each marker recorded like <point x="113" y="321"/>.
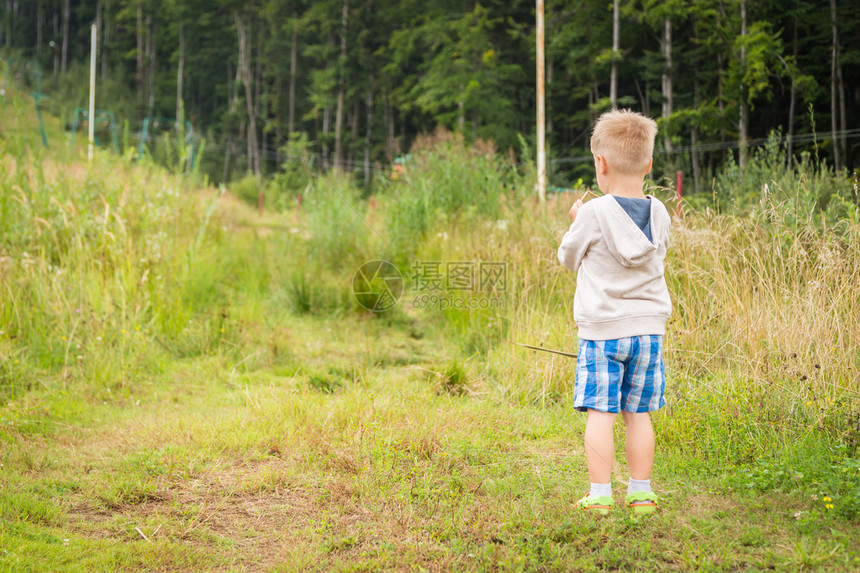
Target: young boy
<point x="617" y="244"/>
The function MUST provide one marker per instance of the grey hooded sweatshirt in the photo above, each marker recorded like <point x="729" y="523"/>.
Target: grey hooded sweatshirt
<point x="620" y="288"/>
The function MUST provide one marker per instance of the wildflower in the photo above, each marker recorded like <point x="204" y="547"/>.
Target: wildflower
<point x="829" y="506"/>
<point x="826" y="498"/>
<point x="64" y="338"/>
<point x="809" y="403"/>
<point x="123" y="331"/>
<point x="137" y="328"/>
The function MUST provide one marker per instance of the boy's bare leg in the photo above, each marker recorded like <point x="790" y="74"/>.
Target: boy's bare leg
<point x="639" y="444"/>
<point x="599" y="445"/>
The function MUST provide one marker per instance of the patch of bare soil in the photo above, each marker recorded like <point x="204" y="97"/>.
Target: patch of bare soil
<point x="253" y="515"/>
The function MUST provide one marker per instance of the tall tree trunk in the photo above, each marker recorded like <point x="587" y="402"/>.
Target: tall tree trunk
<point x="644" y="100"/>
<point x="368" y="103"/>
<point x="694" y="133"/>
<point x="721" y="100"/>
<point x="355" y="118"/>
<point x="592" y="98"/>
<point x="392" y="125"/>
<point x="260" y="154"/>
<point x="326" y="129"/>
<point x="743" y="120"/>
<point x="461" y="118"/>
<point x="139" y="52"/>
<point x="66" y="16"/>
<point x="616" y="40"/>
<point x="55" y="21"/>
<point x="293" y="61"/>
<point x="258" y="73"/>
<point x="843" y="137"/>
<point x="386" y="119"/>
<point x="147" y="56"/>
<point x="99" y="23"/>
<point x="341" y="81"/>
<point x="105" y="44"/>
<point x="667" y="75"/>
<point x="153" y="51"/>
<point x="474" y="125"/>
<point x="264" y="137"/>
<point x="7" y="23"/>
<point x="227" y="152"/>
<point x="793" y="101"/>
<point x="548" y="115"/>
<point x="180" y="69"/>
<point x="244" y="32"/>
<point x="694" y="159"/>
<point x="647" y="107"/>
<point x="834" y="94"/>
<point x="39" y="17"/>
<point x="231" y="105"/>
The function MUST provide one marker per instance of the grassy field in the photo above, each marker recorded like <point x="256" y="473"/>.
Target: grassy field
<point x="187" y="385"/>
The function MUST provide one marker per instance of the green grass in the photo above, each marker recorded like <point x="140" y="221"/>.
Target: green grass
<point x="265" y="471"/>
<point x="187" y="385"/>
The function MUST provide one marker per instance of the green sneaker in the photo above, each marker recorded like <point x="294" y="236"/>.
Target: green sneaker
<point x="642" y="502"/>
<point x="601" y="505"/>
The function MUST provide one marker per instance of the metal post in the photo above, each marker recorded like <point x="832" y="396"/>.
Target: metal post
<point x="38" y="97"/>
<point x="92" y="113"/>
<point x="541" y="132"/>
<point x="144" y="135"/>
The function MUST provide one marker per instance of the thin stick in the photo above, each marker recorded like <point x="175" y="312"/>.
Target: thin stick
<point x="142" y="534"/>
<point x="550" y="350"/>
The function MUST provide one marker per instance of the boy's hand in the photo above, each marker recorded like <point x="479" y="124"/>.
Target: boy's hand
<point x="574" y="209"/>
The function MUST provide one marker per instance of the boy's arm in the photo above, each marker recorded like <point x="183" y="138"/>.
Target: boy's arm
<point x="578" y="238"/>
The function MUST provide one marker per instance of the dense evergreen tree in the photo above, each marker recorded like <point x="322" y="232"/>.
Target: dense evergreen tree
<point x="361" y="78"/>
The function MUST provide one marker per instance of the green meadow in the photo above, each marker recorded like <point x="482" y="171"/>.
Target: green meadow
<point x="186" y="384"/>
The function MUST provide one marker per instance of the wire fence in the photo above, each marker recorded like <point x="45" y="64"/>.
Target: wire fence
<point x="29" y="72"/>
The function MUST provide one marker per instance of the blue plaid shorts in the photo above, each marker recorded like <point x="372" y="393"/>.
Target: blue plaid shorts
<point x="625" y="374"/>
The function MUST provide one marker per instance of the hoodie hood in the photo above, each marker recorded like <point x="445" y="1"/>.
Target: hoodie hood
<point x="624" y="239"/>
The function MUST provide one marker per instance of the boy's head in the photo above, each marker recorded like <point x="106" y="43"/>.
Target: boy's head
<point x="625" y="139"/>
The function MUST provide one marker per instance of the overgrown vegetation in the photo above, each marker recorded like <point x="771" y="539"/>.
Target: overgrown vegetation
<point x="187" y="384"/>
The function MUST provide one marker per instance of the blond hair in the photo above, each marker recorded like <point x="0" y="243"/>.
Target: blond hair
<point x="626" y="139"/>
